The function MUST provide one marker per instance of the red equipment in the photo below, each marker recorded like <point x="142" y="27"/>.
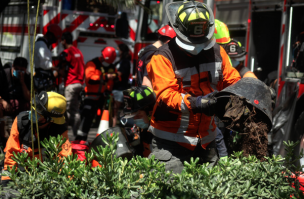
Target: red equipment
<point x="167" y="31"/>
<point x="109" y="54"/>
<point x="79" y="147"/>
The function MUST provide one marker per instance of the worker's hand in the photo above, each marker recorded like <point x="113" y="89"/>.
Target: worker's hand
<point x="7" y="107"/>
<point x="111" y="76"/>
<point x="207" y="103"/>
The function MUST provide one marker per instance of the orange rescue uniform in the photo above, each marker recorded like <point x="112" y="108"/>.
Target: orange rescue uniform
<point x="95" y="78"/>
<point x="177" y="79"/>
<point x="13" y="145"/>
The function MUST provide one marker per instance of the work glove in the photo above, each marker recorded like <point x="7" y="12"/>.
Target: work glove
<point x="207" y="103"/>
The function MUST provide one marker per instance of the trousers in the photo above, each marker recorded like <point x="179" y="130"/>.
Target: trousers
<point x="88" y="114"/>
<point x="173" y="154"/>
<point x="72" y="95"/>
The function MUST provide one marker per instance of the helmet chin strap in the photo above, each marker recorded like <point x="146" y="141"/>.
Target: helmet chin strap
<point x="193" y="50"/>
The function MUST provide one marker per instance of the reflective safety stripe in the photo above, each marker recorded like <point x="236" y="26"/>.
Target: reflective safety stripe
<point x="215" y="69"/>
<point x="184" y="107"/>
<point x="175" y="137"/>
<point x="186" y="74"/>
<point x="212" y="134"/>
<point x="184" y="116"/>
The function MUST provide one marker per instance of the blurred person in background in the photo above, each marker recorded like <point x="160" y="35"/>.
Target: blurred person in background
<point x="122" y="26"/>
<point x="123" y="71"/>
<point x="45" y="71"/>
<point x="14" y="93"/>
<point x="16" y="86"/>
<point x="99" y="73"/>
<point x="73" y="71"/>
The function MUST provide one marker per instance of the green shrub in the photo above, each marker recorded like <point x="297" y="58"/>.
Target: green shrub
<point x="235" y="177"/>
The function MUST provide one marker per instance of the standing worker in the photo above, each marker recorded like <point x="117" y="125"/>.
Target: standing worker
<point x="165" y="34"/>
<point x="184" y="74"/>
<point x="97" y="73"/>
<point x="45" y="71"/>
<point x="50" y="107"/>
<point x="74" y="75"/>
<point x="234" y="49"/>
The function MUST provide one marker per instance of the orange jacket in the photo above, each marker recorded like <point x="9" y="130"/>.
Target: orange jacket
<point x="93" y="74"/>
<point x="177" y="79"/>
<point x="13" y="145"/>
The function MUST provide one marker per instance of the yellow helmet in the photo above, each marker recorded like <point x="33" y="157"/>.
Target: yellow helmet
<point x="51" y="106"/>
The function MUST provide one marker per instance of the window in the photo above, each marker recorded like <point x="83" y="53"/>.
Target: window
<point x="152" y="20"/>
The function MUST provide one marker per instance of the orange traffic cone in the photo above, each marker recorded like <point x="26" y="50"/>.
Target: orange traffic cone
<point x="104" y="122"/>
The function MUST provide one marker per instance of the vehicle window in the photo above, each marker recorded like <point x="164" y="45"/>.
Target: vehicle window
<point x="152" y="20"/>
<point x="295" y="40"/>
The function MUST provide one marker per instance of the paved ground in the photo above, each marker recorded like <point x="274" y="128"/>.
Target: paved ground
<point x="91" y="136"/>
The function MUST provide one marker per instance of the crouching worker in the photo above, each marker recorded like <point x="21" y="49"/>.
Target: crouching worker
<point x="50" y="107"/>
<point x="138" y="104"/>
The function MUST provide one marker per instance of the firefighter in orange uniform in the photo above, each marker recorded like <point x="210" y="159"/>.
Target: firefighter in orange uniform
<point x="100" y="74"/>
<point x="50" y="108"/>
<point x="185" y="74"/>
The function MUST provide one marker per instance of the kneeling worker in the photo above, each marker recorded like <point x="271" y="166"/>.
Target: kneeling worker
<point x="50" y="107"/>
<point x="138" y="104"/>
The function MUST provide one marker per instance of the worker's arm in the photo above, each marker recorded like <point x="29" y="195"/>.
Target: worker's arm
<point x="12" y="145"/>
<point x="165" y="85"/>
<point x="147" y="82"/>
<point x="230" y="74"/>
<point x="66" y="147"/>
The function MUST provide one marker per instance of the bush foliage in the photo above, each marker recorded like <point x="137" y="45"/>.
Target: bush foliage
<point x="235" y="177"/>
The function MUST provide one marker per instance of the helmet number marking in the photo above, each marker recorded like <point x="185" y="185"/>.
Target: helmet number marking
<point x="232" y="48"/>
<point x="198" y="30"/>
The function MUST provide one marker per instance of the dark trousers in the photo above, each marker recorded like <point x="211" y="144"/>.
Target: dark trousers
<point x="173" y="154"/>
<point x="88" y="114"/>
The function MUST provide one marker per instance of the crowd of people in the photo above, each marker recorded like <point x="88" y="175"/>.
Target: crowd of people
<point x="98" y="77"/>
<point x="173" y="104"/>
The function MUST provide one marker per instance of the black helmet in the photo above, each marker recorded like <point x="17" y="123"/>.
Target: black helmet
<point x="138" y="98"/>
<point x="235" y="50"/>
<point x="193" y="23"/>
